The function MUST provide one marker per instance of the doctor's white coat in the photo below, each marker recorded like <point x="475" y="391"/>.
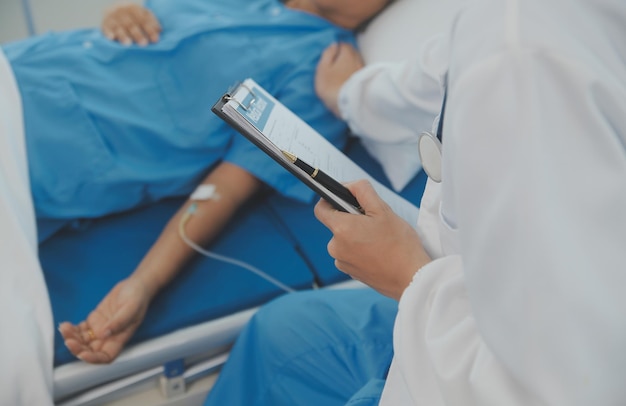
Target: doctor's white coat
<point x="525" y="302"/>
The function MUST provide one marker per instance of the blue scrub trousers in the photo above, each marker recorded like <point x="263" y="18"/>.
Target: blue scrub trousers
<point x="324" y="347"/>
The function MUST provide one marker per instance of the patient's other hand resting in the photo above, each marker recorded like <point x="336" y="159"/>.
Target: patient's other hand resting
<point x="131" y="23"/>
<point x="337" y="64"/>
<point x="102" y="336"/>
<point x="107" y="329"/>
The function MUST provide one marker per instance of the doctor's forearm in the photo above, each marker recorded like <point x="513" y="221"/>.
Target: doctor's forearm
<point x="170" y="253"/>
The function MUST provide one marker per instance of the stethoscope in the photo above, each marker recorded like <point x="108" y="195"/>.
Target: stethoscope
<point x="429" y="147"/>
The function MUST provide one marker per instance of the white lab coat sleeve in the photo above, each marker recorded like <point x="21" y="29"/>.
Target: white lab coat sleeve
<point x="525" y="305"/>
<point x="27" y="336"/>
<point x="543" y="222"/>
<point x="394" y="102"/>
<point x="440" y="357"/>
<point x="388" y="105"/>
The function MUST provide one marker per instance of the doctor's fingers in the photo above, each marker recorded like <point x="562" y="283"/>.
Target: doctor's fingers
<point x="345" y="224"/>
<point x="368" y="198"/>
<point x="336" y="249"/>
<point x="347" y="268"/>
<point x="328" y="215"/>
<point x="375" y="278"/>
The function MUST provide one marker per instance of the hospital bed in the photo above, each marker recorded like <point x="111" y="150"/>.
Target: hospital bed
<point x="191" y="324"/>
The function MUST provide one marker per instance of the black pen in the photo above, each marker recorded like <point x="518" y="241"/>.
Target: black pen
<point x="329" y="183"/>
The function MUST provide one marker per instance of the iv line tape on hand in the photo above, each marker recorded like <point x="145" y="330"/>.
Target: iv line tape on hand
<point x="229" y="260"/>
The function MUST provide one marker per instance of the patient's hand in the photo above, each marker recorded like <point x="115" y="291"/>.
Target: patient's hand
<point x="337" y="64"/>
<point x="102" y="336"/>
<point x="131" y="23"/>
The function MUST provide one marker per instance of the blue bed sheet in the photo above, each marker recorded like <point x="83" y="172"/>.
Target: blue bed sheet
<point x="84" y="260"/>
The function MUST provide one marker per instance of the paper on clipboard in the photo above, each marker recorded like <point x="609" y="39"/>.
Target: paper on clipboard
<point x="273" y="127"/>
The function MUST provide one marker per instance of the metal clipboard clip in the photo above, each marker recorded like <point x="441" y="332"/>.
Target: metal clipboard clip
<point x="230" y="96"/>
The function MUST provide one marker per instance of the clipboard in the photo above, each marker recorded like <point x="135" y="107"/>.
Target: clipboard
<point x="247" y="108"/>
<point x="272" y="127"/>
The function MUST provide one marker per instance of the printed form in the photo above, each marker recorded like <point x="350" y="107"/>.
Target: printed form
<point x="278" y="128"/>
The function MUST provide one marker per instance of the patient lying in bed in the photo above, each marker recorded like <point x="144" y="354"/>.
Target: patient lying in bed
<point x="109" y="127"/>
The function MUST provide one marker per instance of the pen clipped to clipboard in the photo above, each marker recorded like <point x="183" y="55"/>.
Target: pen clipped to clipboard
<point x="296" y="146"/>
<point x="328" y="182"/>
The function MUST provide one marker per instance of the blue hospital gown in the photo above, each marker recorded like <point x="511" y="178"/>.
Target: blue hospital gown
<point x="109" y="127"/>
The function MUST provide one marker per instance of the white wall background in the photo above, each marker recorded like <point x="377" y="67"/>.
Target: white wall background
<point x="50" y="15"/>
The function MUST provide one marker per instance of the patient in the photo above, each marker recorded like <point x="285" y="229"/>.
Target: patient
<point x="112" y="127"/>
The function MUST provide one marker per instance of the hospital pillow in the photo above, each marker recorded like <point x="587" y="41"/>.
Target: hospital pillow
<point x="396" y="35"/>
<point x="393" y="35"/>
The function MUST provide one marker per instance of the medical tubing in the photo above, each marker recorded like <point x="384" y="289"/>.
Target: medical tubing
<point x="232" y="261"/>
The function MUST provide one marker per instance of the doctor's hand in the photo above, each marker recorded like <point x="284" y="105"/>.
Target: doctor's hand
<point x="101" y="337"/>
<point x="379" y="248"/>
<point x="336" y="65"/>
<point x="131" y="23"/>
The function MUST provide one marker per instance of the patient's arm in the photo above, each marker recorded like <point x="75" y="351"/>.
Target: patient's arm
<point x="118" y="315"/>
<point x="131" y="23"/>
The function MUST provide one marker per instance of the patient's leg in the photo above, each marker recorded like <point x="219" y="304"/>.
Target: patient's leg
<point x="311" y="348"/>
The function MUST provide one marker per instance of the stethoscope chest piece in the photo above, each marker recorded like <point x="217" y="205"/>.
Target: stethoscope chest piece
<point x="429" y="148"/>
